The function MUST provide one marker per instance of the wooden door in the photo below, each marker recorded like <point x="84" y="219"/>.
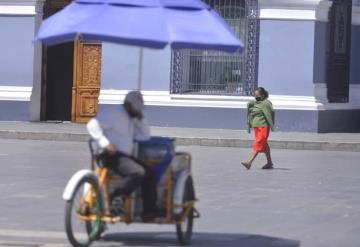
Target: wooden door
<point x="339" y="51"/>
<point x="86" y="82"/>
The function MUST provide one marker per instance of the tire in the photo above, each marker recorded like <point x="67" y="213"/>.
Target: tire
<point x="89" y="227"/>
<point x="185" y="229"/>
<point x="79" y="232"/>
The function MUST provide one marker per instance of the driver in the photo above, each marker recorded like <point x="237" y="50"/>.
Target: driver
<point x="115" y="131"/>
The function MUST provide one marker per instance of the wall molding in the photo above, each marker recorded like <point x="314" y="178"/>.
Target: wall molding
<point x="164" y="98"/>
<point x="322" y="11"/>
<point x="19" y="2"/>
<point x="320" y="92"/>
<point x="356" y="15"/>
<point x="289" y="4"/>
<point x="287" y="14"/>
<point x="301" y="10"/>
<point x="269" y="9"/>
<point x="17" y="10"/>
<point x="13" y="93"/>
<point x="288" y="9"/>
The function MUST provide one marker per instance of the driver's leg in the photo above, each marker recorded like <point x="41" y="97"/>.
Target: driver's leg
<point x="132" y="174"/>
<point x="149" y="192"/>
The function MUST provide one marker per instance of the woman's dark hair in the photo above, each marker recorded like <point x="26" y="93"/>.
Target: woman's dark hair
<point x="263" y="92"/>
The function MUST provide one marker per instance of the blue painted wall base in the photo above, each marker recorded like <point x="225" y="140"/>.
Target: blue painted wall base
<point x="221" y="118"/>
<point x="224" y="118"/>
<point x="345" y="121"/>
<point x="14" y="110"/>
<point x="232" y="118"/>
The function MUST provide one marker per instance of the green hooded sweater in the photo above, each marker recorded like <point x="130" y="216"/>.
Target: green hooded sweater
<point x="260" y="114"/>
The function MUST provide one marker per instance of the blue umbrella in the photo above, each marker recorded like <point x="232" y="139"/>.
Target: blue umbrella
<point x="145" y="23"/>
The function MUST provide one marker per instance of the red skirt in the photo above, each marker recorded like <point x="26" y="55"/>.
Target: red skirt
<point x="261" y="139"/>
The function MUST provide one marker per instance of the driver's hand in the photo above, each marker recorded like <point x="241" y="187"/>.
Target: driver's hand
<point x="111" y="149"/>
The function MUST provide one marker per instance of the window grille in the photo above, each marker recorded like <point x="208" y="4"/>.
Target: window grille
<point x="219" y="73"/>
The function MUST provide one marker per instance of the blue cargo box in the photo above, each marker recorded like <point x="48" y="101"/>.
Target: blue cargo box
<point x="158" y="153"/>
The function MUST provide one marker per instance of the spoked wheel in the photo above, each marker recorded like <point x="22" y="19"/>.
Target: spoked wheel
<point x="85" y="202"/>
<point x="91" y="226"/>
<point x="184" y="229"/>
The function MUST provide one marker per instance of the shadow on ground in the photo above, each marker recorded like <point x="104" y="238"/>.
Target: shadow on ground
<point x="281" y="169"/>
<point x="199" y="239"/>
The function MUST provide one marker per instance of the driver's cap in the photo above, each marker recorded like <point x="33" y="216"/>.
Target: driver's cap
<point x="136" y="100"/>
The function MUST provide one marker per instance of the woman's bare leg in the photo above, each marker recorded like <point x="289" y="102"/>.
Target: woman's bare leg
<point x="268" y="154"/>
<point x="269" y="164"/>
<point x="252" y="157"/>
<point x="248" y="163"/>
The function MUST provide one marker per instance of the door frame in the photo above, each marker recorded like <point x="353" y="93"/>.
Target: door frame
<point x="47" y="7"/>
<point x="38" y="95"/>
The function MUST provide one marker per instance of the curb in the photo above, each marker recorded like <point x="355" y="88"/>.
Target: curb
<point x="45" y="136"/>
<point x="274" y="144"/>
<point x="194" y="141"/>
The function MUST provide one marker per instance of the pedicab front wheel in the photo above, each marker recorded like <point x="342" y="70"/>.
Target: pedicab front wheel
<point x="184" y="230"/>
<point x="82" y="213"/>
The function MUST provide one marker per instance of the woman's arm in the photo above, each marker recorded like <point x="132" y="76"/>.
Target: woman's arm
<point x="249" y="116"/>
<point x="269" y="114"/>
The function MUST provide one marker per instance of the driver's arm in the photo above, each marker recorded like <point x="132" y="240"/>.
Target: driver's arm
<point x="97" y="133"/>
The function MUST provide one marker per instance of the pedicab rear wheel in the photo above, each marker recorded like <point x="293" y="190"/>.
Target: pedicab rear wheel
<point x="82" y="233"/>
<point x="184" y="230"/>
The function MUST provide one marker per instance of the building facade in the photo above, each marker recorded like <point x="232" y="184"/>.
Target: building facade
<point x="306" y="53"/>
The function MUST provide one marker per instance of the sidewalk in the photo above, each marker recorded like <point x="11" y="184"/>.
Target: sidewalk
<point x="186" y="136"/>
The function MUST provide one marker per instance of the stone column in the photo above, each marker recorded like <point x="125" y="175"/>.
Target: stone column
<point x="320" y="49"/>
<point x="320" y="56"/>
<point x="355" y="56"/>
<point x="35" y="104"/>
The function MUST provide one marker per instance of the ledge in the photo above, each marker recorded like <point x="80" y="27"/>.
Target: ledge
<point x="17" y="10"/>
<point x="163" y="98"/>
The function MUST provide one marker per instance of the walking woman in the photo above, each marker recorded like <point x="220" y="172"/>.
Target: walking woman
<point x="260" y="117"/>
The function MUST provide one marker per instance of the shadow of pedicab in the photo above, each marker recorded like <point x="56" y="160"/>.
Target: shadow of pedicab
<point x="199" y="239"/>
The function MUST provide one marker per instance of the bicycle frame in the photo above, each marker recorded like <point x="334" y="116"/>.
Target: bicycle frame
<point x="104" y="177"/>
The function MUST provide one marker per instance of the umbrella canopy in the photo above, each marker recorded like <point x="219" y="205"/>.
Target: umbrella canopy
<point x="145" y="23"/>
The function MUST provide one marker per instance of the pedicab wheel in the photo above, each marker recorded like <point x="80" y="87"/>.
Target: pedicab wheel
<point x="82" y="233"/>
<point x="184" y="229"/>
<point x="91" y="224"/>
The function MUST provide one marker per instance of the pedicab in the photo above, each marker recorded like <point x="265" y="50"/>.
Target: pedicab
<point x="88" y="202"/>
<point x="182" y="24"/>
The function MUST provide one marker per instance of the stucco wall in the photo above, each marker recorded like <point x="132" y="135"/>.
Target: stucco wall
<point x="120" y="68"/>
<point x="16" y="51"/>
<point x="286" y="57"/>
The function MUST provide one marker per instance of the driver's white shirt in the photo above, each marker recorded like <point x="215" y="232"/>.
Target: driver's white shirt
<point x="118" y="128"/>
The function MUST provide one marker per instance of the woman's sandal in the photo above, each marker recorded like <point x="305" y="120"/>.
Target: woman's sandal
<point x="268" y="166"/>
<point x="247" y="165"/>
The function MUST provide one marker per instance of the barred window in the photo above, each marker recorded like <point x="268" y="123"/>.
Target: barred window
<point x="220" y="73"/>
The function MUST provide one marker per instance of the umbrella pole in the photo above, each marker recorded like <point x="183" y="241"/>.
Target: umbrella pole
<point x="140" y="70"/>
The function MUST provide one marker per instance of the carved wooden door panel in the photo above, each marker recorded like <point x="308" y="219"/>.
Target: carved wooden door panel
<point x="86" y="84"/>
<point x="339" y="51"/>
